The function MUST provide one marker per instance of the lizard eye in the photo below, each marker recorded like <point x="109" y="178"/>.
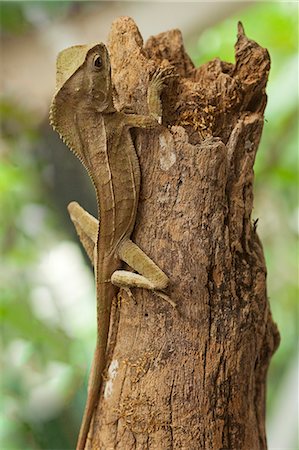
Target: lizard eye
<point x="97" y="62"/>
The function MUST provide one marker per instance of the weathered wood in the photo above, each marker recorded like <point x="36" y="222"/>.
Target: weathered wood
<point x="192" y="378"/>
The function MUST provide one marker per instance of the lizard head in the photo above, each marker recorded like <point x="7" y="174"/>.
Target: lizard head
<point x="83" y="85"/>
<point x="83" y="78"/>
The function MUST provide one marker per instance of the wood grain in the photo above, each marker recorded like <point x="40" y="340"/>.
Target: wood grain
<point x="192" y="378"/>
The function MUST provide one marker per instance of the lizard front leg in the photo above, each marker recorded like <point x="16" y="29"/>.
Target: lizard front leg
<point x="155" y="88"/>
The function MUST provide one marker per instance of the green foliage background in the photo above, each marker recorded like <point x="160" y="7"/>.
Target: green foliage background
<point x="42" y="344"/>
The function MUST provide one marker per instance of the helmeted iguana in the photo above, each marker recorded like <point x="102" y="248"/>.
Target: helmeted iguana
<point x="84" y="115"/>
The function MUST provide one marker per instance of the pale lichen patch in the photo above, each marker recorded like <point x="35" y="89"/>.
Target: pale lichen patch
<point x="167" y="155"/>
<point x="112" y="371"/>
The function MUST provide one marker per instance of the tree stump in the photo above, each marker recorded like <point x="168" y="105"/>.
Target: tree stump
<point x="192" y="377"/>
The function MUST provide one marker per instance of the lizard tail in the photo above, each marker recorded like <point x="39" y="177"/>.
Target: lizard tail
<point x="94" y="386"/>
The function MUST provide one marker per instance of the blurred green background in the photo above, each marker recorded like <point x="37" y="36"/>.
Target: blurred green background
<point x="46" y="287"/>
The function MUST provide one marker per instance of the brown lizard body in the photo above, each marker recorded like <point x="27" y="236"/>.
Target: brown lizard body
<point x="83" y="114"/>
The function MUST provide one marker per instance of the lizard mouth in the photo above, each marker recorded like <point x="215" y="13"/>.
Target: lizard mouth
<point x="100" y="101"/>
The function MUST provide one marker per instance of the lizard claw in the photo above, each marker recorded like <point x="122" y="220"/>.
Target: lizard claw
<point x="160" y="75"/>
<point x="165" y="297"/>
<point x="156" y="85"/>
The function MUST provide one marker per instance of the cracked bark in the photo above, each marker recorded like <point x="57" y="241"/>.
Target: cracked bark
<point x="192" y="378"/>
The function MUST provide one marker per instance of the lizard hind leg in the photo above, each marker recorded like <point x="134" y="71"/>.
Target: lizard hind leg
<point x="86" y="226"/>
<point x="149" y="275"/>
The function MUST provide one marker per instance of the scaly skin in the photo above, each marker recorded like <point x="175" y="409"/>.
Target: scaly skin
<point x="83" y="114"/>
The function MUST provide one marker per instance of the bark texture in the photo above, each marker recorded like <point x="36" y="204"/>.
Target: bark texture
<point x="192" y="378"/>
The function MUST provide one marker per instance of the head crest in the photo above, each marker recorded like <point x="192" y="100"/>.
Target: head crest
<point x="69" y="61"/>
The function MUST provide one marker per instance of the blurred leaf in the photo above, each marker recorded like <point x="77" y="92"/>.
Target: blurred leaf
<point x="12" y="18"/>
<point x="17" y="17"/>
<point x="14" y="313"/>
